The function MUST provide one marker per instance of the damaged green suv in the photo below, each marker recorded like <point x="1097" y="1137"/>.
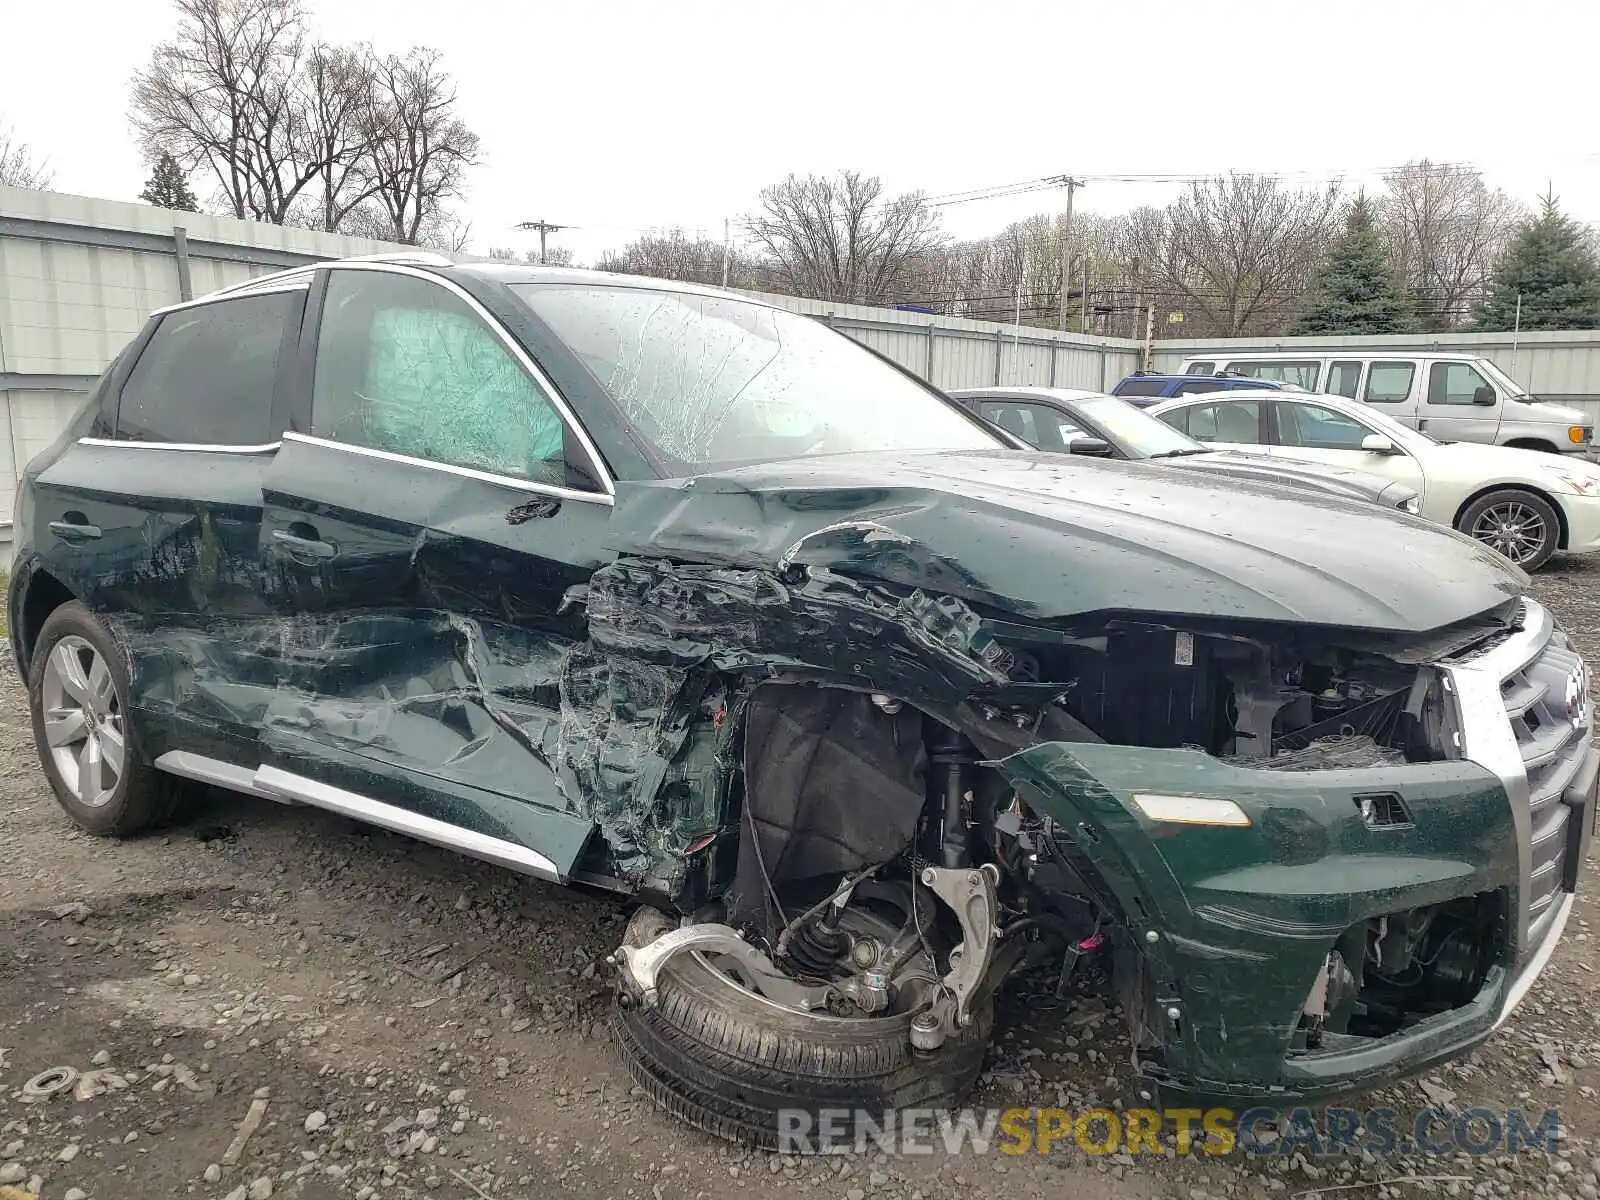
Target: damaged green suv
<point x="666" y="591"/>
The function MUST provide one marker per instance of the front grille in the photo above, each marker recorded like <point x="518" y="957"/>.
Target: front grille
<point x="1553" y="743"/>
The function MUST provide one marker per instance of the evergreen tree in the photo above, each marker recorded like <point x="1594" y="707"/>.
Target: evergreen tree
<point x="1356" y="291"/>
<point x="168" y="187"/>
<point x="1552" y="267"/>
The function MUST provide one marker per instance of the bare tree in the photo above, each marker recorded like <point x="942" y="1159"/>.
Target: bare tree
<point x="837" y="238"/>
<point x="674" y="254"/>
<point x="1445" y="228"/>
<point x="18" y="167"/>
<point x="555" y="256"/>
<point x="336" y="94"/>
<point x="224" y="96"/>
<point x="418" y="150"/>
<point x="1237" y="251"/>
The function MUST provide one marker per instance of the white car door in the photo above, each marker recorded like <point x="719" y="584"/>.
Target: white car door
<point x="1312" y="432"/>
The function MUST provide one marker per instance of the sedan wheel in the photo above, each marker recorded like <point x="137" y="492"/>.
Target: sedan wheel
<point x="83" y="721"/>
<point x="1520" y="525"/>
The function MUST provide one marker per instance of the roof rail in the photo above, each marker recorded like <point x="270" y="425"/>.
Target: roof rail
<point x="426" y="258"/>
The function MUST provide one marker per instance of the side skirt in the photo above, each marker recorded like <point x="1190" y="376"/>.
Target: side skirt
<point x="272" y="783"/>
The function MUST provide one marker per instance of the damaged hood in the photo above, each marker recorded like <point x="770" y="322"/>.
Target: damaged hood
<point x="1046" y="537"/>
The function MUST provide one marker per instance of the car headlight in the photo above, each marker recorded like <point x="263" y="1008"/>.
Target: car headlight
<point x="1583" y="485"/>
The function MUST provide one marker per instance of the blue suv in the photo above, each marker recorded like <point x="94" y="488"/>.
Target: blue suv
<point x="1144" y="390"/>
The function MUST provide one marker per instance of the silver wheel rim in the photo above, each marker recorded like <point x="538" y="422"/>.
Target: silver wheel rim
<point x="83" y="722"/>
<point x="1512" y="527"/>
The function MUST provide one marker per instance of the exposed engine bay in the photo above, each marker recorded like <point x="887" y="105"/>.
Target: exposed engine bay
<point x="885" y="867"/>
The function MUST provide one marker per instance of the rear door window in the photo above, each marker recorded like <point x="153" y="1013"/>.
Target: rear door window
<point x="1389" y="382"/>
<point x="1201" y="368"/>
<point x="206" y="376"/>
<point x="1303" y="374"/>
<point x="1344" y="379"/>
<point x="1236" y="422"/>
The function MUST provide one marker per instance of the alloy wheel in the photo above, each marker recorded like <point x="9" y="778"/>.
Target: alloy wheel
<point x="84" y="725"/>
<point x="1512" y="528"/>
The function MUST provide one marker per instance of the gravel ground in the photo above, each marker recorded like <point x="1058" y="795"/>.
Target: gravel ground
<point x="404" y="1022"/>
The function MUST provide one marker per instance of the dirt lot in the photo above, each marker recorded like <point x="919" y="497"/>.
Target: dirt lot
<point x="419" y="1024"/>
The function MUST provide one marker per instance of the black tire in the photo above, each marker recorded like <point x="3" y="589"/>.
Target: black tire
<point x="726" y="1061"/>
<point x="1479" y="514"/>
<point x="141" y="797"/>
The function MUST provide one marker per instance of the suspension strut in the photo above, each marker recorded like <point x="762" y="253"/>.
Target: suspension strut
<point x="953" y="753"/>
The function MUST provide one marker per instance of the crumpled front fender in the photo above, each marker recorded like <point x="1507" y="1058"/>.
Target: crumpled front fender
<point x="1233" y="923"/>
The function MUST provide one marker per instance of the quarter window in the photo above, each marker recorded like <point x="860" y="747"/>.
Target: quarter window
<point x="1142" y="387"/>
<point x="1201" y="368"/>
<point x="1344" y="379"/>
<point x="1389" y="382"/>
<point x="1236" y="422"/>
<point x="206" y="376"/>
<point x="406" y="366"/>
<point x="1454" y="383"/>
<point x="1313" y="427"/>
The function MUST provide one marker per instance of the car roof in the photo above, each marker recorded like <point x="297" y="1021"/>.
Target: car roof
<point x="1244" y="393"/>
<point x="1030" y="392"/>
<point x="505" y="273"/>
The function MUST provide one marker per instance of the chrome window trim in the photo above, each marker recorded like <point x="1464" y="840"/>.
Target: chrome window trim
<point x="525" y="485"/>
<point x="568" y="417"/>
<point x="241" y="291"/>
<point x="200" y="447"/>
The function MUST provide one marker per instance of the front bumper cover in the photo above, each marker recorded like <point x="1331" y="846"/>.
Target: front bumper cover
<point x="1233" y="924"/>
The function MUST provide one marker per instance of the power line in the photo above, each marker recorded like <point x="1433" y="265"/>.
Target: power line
<point x="543" y="227"/>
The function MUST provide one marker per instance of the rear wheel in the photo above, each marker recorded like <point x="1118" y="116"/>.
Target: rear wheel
<point x="1519" y="524"/>
<point x="735" y="1064"/>
<point x="85" y="732"/>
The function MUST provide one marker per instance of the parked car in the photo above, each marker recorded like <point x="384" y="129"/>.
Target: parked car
<point x="1452" y="397"/>
<point x="1525" y="504"/>
<point x="660" y="589"/>
<point x="1144" y="390"/>
<point x="1067" y="421"/>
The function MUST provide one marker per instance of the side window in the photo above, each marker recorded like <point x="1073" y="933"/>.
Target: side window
<point x="1199" y="385"/>
<point x="1454" y="383"/>
<point x="1237" y="422"/>
<point x="1313" y="427"/>
<point x="1201" y="368"/>
<point x="1344" y="379"/>
<point x="1015" y="419"/>
<point x="207" y="373"/>
<point x="406" y="366"/>
<point x="1301" y="374"/>
<point x="1389" y="382"/>
<point x="1178" y="418"/>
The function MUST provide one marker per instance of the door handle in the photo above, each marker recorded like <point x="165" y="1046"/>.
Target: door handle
<point x="74" y="531"/>
<point x="308" y="547"/>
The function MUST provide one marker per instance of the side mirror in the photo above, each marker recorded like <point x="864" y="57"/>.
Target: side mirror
<point x="1484" y="397"/>
<point x="1098" y="447"/>
<point x="1376" y="443"/>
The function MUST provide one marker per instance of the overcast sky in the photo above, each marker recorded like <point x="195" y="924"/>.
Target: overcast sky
<point x="617" y="116"/>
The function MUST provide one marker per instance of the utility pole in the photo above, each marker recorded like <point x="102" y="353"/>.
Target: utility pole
<point x="543" y="228"/>
<point x="727" y="245"/>
<point x="1149" y="336"/>
<point x="1072" y="185"/>
<point x="1083" y="299"/>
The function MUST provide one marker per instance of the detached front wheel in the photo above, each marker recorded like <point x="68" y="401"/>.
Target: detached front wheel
<point x="734" y="1063"/>
<point x="1520" y="525"/>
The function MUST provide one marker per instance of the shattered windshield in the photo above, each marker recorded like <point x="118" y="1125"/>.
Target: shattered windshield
<point x="714" y="381"/>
